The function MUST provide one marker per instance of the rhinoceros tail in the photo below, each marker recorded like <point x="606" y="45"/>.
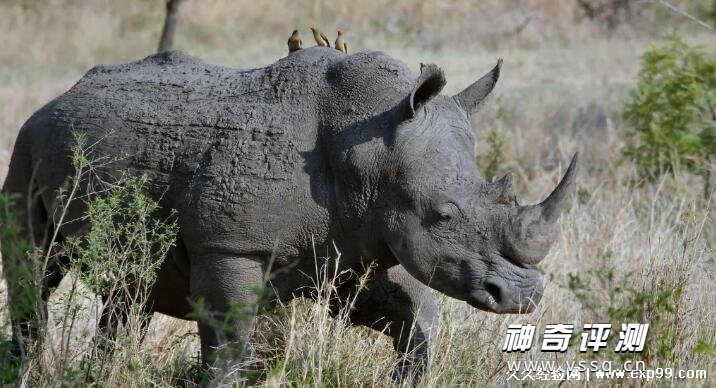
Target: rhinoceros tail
<point x="20" y="167"/>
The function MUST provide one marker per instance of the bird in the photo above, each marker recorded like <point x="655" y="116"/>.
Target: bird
<point x="294" y="42"/>
<point x="341" y="44"/>
<point x="321" y="39"/>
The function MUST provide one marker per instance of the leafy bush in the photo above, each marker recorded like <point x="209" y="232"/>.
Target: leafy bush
<point x="495" y="159"/>
<point x="613" y="294"/>
<point x="22" y="266"/>
<point x="672" y="111"/>
<point x="118" y="258"/>
<point x="123" y="229"/>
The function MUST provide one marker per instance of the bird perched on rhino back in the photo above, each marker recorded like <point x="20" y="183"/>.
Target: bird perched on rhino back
<point x="294" y="42"/>
<point x="321" y="39"/>
<point x="340" y="43"/>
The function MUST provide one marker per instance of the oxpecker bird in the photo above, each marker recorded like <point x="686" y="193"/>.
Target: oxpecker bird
<point x="321" y="39"/>
<point x="294" y="42"/>
<point x="341" y="44"/>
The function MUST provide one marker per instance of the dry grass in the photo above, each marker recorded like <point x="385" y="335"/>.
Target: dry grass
<point x="563" y="84"/>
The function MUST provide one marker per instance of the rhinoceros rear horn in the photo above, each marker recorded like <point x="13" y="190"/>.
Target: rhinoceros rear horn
<point x="558" y="201"/>
<point x="505" y="190"/>
<point x="472" y="97"/>
<point x="429" y="85"/>
<point x="530" y="234"/>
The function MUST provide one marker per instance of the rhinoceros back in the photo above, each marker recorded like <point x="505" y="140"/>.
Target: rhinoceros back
<point x="220" y="141"/>
<point x="182" y="121"/>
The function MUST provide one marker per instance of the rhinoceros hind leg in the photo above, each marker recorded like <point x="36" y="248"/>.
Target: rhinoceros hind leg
<point x="34" y="228"/>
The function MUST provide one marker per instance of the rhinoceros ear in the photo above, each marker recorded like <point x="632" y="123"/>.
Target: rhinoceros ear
<point x="471" y="98"/>
<point x="429" y="85"/>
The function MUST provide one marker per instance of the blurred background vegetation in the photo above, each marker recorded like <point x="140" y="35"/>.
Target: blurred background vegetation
<point x="83" y="32"/>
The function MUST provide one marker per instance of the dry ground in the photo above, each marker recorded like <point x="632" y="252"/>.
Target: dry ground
<point x="561" y="91"/>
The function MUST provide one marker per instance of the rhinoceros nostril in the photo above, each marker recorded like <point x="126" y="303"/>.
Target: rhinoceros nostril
<point x="495" y="292"/>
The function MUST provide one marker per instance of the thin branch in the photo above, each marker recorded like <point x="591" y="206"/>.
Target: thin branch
<point x="685" y="14"/>
<point x="170" y="25"/>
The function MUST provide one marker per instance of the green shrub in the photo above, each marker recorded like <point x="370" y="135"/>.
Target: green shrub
<point x="22" y="265"/>
<point x="495" y="161"/>
<point x="125" y="242"/>
<point x="611" y="295"/>
<point x="119" y="257"/>
<point x="493" y="156"/>
<point x="672" y="111"/>
<point x="22" y="262"/>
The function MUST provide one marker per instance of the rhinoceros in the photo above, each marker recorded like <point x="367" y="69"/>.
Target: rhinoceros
<point x="266" y="167"/>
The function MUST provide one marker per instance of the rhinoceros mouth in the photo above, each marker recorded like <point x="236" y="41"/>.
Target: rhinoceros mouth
<point x="499" y="296"/>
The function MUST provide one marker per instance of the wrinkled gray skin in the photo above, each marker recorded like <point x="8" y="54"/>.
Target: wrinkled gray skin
<point x="315" y="149"/>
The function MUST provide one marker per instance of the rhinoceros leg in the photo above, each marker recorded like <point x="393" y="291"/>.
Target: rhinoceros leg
<point x="397" y="304"/>
<point x="26" y="311"/>
<point x="228" y="288"/>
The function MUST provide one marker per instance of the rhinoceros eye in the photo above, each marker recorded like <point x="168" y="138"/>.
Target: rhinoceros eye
<point x="447" y="212"/>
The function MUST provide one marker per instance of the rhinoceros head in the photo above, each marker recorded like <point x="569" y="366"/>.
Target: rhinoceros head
<point x="443" y="222"/>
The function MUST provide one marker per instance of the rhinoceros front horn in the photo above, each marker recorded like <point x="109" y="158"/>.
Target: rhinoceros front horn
<point x="530" y="234"/>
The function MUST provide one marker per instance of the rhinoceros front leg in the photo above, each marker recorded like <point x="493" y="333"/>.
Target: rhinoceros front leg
<point x="405" y="309"/>
<point x="227" y="287"/>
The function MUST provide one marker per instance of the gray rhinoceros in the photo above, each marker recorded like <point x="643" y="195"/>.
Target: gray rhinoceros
<point x="267" y="166"/>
